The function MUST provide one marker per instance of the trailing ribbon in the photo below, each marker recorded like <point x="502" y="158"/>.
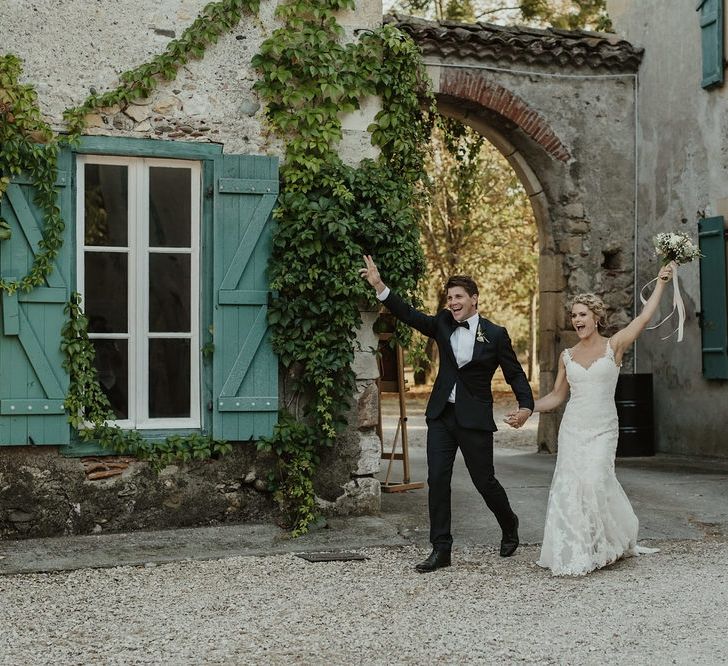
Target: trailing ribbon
<point x="677" y="304"/>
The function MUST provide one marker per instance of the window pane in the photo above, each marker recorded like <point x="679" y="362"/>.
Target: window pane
<point x="106" y="189"/>
<point x="106" y="287"/>
<point x="169" y="207"/>
<point x="112" y="366"/>
<point x="169" y="293"/>
<point x="169" y="378"/>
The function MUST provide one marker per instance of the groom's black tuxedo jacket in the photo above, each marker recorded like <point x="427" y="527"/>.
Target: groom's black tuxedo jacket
<point x="473" y="397"/>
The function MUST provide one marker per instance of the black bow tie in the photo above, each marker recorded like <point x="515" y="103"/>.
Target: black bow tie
<point x="464" y="324"/>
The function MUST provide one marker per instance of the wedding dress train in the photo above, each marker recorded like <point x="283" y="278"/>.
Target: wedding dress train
<point x="589" y="520"/>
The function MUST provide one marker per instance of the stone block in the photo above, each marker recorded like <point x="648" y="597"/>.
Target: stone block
<point x="368" y="407"/>
<point x="167" y="106"/>
<point x="571" y="245"/>
<point x="551" y="306"/>
<point x="541" y="211"/>
<point x="368" y="14"/>
<point x="249" y="107"/>
<point x="551" y="273"/>
<point x="575" y="210"/>
<point x="525" y="174"/>
<point x="138" y="113"/>
<point x="370" y="454"/>
<point x="548" y="351"/>
<point x="576" y="226"/>
<point x="361" y="497"/>
<point x="95" y="120"/>
<point x="362" y="117"/>
<point x="546" y="380"/>
<point x="355" y="146"/>
<point x="580" y="281"/>
<point x="568" y="338"/>
<point x="367" y="342"/>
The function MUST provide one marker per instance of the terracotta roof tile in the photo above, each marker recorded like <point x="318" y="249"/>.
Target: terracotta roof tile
<point x="514" y="44"/>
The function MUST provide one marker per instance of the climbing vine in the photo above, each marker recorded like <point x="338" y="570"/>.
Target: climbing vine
<point x="28" y="146"/>
<point x="329" y="214"/>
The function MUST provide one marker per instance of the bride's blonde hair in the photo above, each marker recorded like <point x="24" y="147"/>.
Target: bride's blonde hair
<point x="595" y="305"/>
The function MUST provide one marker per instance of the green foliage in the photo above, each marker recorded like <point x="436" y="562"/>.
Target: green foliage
<point x="330" y="213"/>
<point x="27" y="146"/>
<point x="295" y="446"/>
<point x="89" y="410"/>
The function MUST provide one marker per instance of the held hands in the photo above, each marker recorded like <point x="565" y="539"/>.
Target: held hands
<point x="517" y="417"/>
<point x="371" y="274"/>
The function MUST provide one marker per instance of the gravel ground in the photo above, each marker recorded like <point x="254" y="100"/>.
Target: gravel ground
<point x="658" y="609"/>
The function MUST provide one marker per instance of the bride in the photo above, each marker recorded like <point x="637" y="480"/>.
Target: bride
<point x="589" y="520"/>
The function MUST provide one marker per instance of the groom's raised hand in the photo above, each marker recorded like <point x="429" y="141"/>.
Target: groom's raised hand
<point x="371" y="274"/>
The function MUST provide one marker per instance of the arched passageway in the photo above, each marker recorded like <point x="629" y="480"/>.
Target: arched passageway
<point x="560" y="106"/>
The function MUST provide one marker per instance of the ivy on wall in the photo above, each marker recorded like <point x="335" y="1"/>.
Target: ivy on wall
<point x="329" y="214"/>
<point x="28" y="146"/>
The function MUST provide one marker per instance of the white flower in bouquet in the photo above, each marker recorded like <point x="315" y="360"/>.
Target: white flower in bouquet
<point x="677" y="247"/>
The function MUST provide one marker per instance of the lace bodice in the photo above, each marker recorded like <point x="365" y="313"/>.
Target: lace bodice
<point x="592" y="388"/>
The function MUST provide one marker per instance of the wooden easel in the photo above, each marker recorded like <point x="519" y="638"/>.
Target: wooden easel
<point x="394" y="382"/>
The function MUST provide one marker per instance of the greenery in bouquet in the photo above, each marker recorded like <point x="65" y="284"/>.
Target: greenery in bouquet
<point x="675" y="246"/>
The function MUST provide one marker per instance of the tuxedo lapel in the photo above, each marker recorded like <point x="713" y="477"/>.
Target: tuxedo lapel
<point x="448" y="345"/>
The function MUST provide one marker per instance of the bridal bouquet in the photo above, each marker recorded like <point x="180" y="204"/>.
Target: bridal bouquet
<point x="677" y="247"/>
<point x="673" y="248"/>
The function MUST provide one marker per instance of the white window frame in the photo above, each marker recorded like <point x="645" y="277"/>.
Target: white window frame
<point x="138" y="250"/>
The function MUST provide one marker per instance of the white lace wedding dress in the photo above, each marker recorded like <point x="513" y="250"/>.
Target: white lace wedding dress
<point x="589" y="520"/>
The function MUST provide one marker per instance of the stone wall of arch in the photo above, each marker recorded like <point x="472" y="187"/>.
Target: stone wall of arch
<point x="571" y="141"/>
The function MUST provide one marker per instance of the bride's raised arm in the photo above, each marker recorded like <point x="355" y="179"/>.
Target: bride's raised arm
<point x="621" y="340"/>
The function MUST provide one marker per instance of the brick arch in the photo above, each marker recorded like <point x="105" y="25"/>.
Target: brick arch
<point x="473" y="86"/>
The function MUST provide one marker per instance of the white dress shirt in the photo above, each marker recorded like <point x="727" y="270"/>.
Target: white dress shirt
<point x="462" y="342"/>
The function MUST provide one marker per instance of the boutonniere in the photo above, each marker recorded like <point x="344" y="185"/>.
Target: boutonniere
<point x="480" y="336"/>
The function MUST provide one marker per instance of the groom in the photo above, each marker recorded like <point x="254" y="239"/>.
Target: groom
<point x="460" y="410"/>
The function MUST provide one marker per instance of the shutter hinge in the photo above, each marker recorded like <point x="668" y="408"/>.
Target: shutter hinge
<point x="209" y="405"/>
<point x="209" y="192"/>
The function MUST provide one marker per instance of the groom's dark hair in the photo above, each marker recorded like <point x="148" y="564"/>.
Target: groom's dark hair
<point x="464" y="281"/>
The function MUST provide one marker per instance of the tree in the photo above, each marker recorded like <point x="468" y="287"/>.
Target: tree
<point x="565" y="14"/>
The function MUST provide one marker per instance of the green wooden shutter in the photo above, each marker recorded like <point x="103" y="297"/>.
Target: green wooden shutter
<point x="245" y="370"/>
<point x="711" y="37"/>
<point x="33" y="382"/>
<point x="713" y="297"/>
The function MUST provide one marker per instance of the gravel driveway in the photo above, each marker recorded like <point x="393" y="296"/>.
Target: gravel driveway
<point x="658" y="609"/>
<point x="667" y="608"/>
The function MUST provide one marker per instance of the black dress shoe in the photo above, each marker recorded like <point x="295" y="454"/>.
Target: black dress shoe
<point x="436" y="560"/>
<point x="510" y="542"/>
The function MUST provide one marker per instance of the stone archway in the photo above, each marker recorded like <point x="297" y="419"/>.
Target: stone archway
<point x="560" y="106"/>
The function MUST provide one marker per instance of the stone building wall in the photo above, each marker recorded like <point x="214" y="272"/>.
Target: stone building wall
<point x="71" y="49"/>
<point x="683" y="160"/>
